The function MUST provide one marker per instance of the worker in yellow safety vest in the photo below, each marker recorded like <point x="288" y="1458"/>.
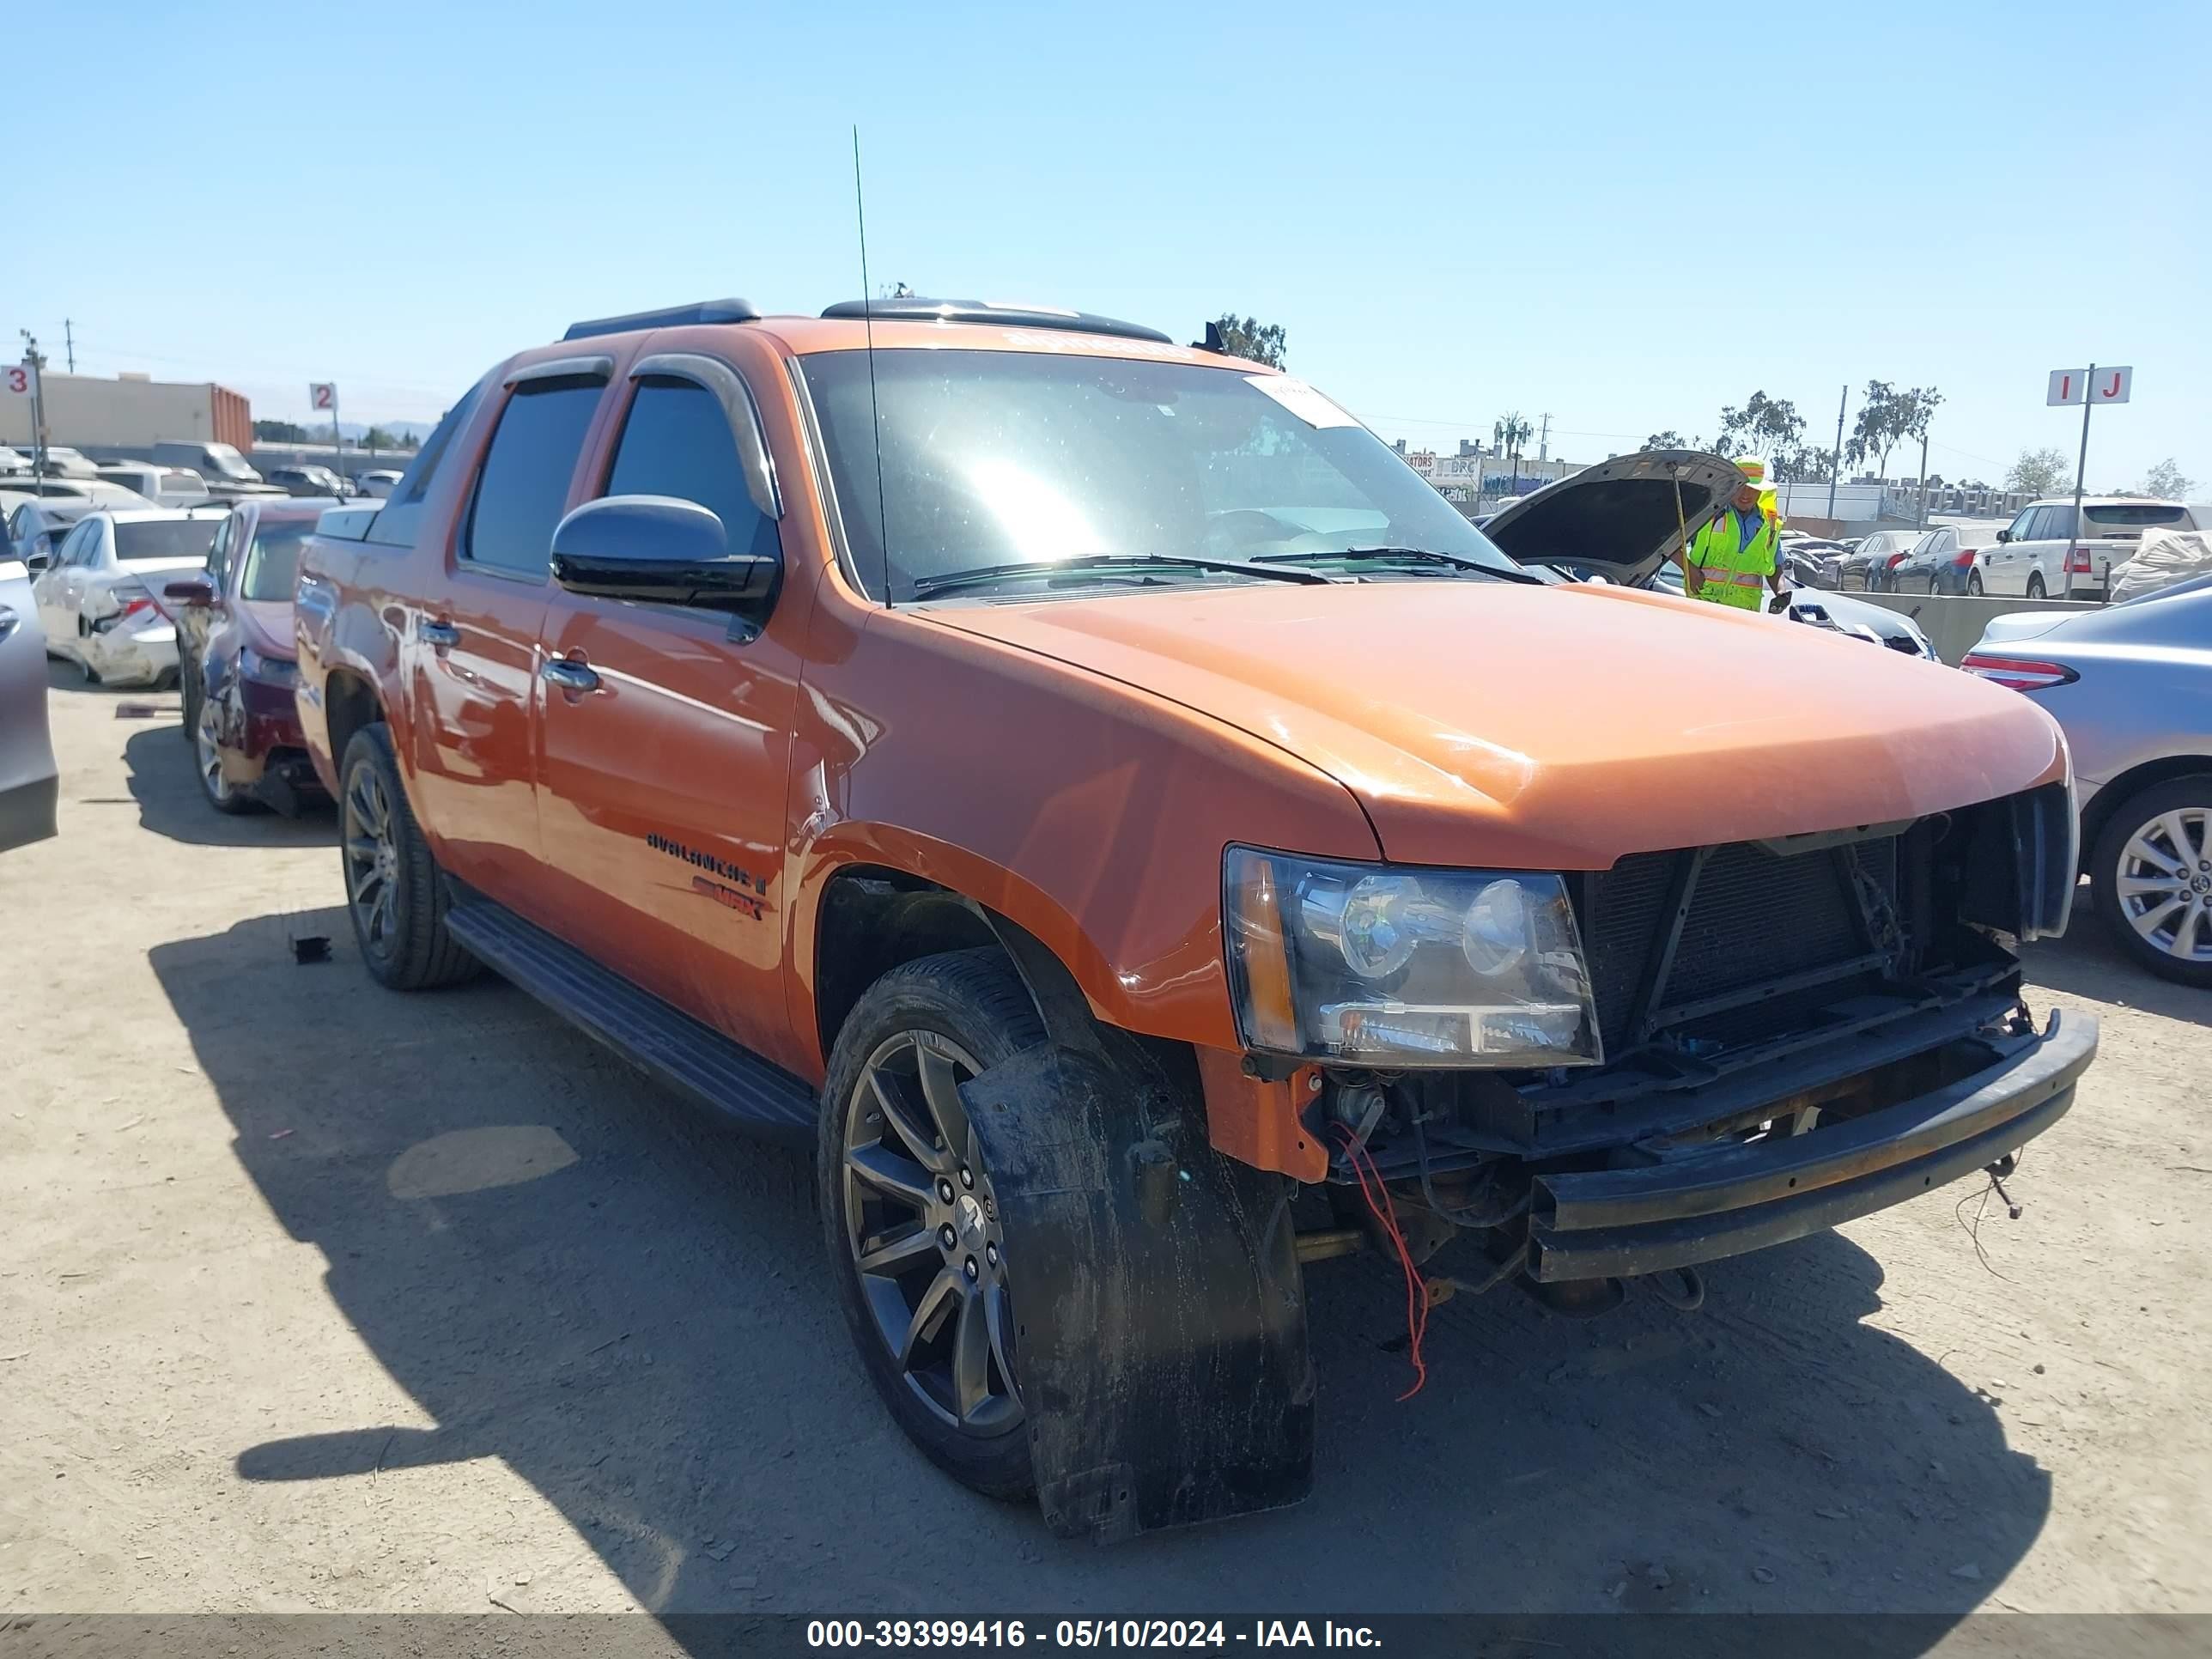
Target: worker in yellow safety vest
<point x="1731" y="559"/>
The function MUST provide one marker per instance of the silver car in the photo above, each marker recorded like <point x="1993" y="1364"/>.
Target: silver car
<point x="28" y="789"/>
<point x="2132" y="685"/>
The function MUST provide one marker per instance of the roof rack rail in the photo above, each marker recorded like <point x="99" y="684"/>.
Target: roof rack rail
<point x="705" y="310"/>
<point x="910" y="309"/>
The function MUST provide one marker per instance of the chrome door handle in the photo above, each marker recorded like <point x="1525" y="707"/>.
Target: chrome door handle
<point x="438" y="634"/>
<point x="568" y="676"/>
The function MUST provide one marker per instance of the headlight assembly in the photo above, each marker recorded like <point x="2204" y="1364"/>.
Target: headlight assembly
<point x="1383" y="965"/>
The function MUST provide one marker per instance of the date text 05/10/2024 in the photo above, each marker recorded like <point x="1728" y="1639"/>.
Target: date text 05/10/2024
<point x="1085" y="1633"/>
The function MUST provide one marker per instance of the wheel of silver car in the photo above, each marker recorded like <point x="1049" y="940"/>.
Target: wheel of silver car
<point x="2035" y="588"/>
<point x="924" y="1269"/>
<point x="2154" y="870"/>
<point x="207" y="754"/>
<point x="1974" y="583"/>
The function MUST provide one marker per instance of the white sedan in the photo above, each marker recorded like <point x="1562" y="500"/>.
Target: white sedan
<point x="95" y="592"/>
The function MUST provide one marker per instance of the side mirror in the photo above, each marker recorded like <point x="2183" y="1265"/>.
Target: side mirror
<point x="2004" y="535"/>
<point x="196" y="591"/>
<point x="37" y="561"/>
<point x="657" y="549"/>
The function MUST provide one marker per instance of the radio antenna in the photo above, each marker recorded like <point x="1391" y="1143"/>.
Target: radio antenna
<point x="875" y="412"/>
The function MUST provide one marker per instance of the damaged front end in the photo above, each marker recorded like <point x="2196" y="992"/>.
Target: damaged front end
<point x="1782" y="1035"/>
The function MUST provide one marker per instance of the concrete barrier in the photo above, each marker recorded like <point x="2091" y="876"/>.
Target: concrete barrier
<point x="1954" y="625"/>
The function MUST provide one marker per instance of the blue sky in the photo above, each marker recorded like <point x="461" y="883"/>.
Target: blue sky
<point x="1625" y="216"/>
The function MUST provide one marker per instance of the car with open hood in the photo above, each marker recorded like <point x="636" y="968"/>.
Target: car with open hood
<point x="1146" y="840"/>
<point x="1624" y="521"/>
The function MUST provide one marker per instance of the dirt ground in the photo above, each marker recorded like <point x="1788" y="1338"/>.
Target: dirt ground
<point x="314" y="1297"/>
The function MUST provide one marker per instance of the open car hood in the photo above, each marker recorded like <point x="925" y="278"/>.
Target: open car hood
<point x="1620" y="519"/>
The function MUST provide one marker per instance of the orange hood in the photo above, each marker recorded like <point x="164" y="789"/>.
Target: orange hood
<point x="1556" y="727"/>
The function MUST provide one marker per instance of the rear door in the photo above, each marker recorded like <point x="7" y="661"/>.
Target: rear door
<point x="661" y="792"/>
<point x="472" y="655"/>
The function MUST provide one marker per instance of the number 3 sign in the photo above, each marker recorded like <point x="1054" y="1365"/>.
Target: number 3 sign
<point x="19" y="378"/>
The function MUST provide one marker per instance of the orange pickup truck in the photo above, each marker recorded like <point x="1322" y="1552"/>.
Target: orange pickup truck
<point x="1149" y="840"/>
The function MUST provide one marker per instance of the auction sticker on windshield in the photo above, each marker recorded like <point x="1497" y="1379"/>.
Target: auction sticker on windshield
<point x="1302" y="400"/>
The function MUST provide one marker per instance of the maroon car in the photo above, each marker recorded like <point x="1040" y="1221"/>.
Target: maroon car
<point x="235" y="653"/>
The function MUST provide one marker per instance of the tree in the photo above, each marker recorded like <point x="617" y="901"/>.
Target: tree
<point x="1250" y="338"/>
<point x="377" y="438"/>
<point x="2167" y="480"/>
<point x="1802" y="463"/>
<point x="1669" y="438"/>
<point x="1886" y="417"/>
<point x="1765" y="426"/>
<point x="1513" y="433"/>
<point x="280" y="432"/>
<point x="2038" y="472"/>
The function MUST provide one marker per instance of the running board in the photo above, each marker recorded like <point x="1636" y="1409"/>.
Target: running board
<point x="666" y="1044"/>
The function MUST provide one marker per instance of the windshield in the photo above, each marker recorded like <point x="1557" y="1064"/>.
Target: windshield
<point x="232" y="465"/>
<point x="272" y="563"/>
<point x="165" y="538"/>
<point x="996" y="458"/>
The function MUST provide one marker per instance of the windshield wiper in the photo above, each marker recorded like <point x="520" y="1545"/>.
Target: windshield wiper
<point x="930" y="587"/>
<point x="1401" y="555"/>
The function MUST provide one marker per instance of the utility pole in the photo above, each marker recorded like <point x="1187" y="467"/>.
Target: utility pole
<point x="69" y="343"/>
<point x="34" y="362"/>
<point x="1544" y="440"/>
<point x="1836" y="460"/>
<point x="2080" y="467"/>
<point x="1922" y="522"/>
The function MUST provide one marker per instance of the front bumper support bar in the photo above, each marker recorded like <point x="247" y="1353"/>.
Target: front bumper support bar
<point x="1742" y="1196"/>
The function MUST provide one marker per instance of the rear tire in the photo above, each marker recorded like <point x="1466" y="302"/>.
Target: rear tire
<point x="2035" y="587"/>
<point x="193" y="693"/>
<point x="2137" y="850"/>
<point x="885" y="1131"/>
<point x="395" y="894"/>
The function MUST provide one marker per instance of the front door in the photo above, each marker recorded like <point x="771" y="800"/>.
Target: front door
<point x="661" y="792"/>
<point x="472" y="653"/>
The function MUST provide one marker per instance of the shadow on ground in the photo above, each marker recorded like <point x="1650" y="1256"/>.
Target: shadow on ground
<point x="2089" y="962"/>
<point x="170" y="803"/>
<point x="630" y="1308"/>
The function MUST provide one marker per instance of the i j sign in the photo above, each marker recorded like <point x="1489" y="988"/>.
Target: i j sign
<point x="2102" y="386"/>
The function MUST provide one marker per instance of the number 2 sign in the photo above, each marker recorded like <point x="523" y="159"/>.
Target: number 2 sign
<point x="322" y="395"/>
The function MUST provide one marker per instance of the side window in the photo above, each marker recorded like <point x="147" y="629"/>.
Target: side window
<point x="675" y="440"/>
<point x="81" y="545"/>
<point x="524" y="481"/>
<point x="2057" y="524"/>
<point x="218" y="563"/>
<point x="2020" y="525"/>
<point x="396" y="520"/>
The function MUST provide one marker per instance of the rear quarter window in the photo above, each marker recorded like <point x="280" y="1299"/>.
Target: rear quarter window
<point x="397" y="522"/>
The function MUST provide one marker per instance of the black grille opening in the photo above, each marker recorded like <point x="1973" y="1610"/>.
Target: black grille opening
<point x="1756" y="916"/>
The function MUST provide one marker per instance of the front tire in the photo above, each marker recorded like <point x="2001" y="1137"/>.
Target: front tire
<point x="394" y="892"/>
<point x="913" y="1229"/>
<point x="2152" y="870"/>
<point x="1974" y="583"/>
<point x="221" y="794"/>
